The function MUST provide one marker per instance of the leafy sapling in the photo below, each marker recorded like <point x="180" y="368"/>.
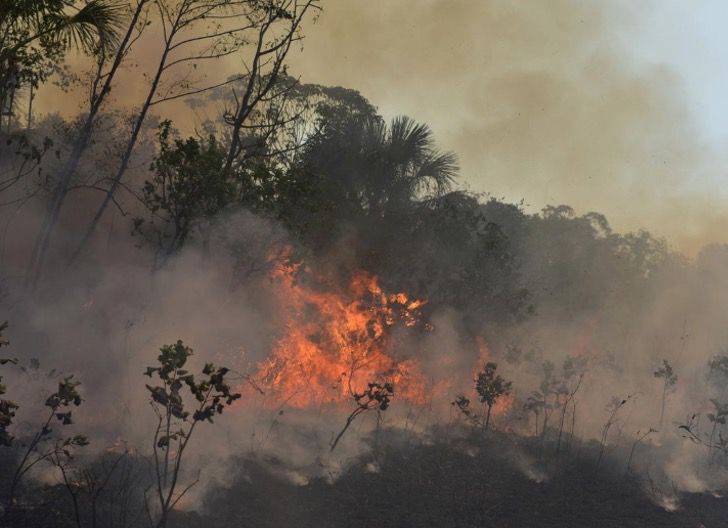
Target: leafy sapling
<point x="462" y="403"/>
<point x="718" y="418"/>
<point x="209" y="395"/>
<point x="376" y="397"/>
<point x="44" y="445"/>
<point x="490" y="388"/>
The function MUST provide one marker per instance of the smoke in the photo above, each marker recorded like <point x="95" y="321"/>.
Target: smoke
<point x="543" y="101"/>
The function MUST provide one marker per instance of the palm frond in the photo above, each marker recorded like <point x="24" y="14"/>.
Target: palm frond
<point x="440" y="166"/>
<point x="95" y="24"/>
<point x="28" y="11"/>
<point x="410" y="141"/>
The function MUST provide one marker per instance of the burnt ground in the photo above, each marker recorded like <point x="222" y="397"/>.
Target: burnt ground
<point x="486" y="483"/>
<point x="412" y="481"/>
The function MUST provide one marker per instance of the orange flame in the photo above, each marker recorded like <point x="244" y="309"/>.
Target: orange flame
<point x="336" y="340"/>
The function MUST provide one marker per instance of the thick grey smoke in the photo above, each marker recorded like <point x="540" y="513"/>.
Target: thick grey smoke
<point x="540" y="103"/>
<point x="105" y="322"/>
<point x="543" y="101"/>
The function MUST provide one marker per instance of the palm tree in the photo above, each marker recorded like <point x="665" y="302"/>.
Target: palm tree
<point x="379" y="168"/>
<point x="408" y="165"/>
<point x="36" y="34"/>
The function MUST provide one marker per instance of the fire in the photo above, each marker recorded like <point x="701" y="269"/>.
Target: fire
<point x="336" y="340"/>
<point x="504" y="404"/>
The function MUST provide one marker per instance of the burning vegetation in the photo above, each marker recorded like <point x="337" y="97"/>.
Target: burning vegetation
<point x="414" y="354"/>
<point x="338" y="340"/>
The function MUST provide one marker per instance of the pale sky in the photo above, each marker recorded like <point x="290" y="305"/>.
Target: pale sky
<point x="692" y="38"/>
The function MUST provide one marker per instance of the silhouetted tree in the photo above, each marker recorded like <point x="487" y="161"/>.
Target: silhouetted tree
<point x="7" y="407"/>
<point x="573" y="371"/>
<point x="490" y="388"/>
<point x="376" y="397"/>
<point x="613" y="408"/>
<point x="177" y="419"/>
<point x="44" y="445"/>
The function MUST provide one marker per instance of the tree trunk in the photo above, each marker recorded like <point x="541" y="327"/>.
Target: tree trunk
<point x="42" y="242"/>
<point x="487" y="417"/>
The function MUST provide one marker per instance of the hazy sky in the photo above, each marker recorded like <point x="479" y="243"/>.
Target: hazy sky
<point x="612" y="106"/>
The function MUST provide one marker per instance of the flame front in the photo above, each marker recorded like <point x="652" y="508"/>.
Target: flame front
<point x="336" y="340"/>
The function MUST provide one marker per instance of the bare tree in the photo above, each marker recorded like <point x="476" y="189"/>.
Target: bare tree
<point x="544" y="401"/>
<point x="613" y="409"/>
<point x="572" y="377"/>
<point x="669" y="379"/>
<point x="86" y="482"/>
<point x="376" y="397"/>
<point x="197" y="31"/>
<point x="266" y="66"/>
<point x="639" y="437"/>
<point x="109" y="59"/>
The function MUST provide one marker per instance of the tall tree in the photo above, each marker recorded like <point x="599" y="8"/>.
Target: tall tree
<point x="109" y="59"/>
<point x="197" y="31"/>
<point x="380" y="168"/>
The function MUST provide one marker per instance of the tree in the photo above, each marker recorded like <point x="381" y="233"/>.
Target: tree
<point x="573" y="371"/>
<point x="380" y="168"/>
<point x="545" y="398"/>
<point x="109" y="58"/>
<point x="376" y="397"/>
<point x="44" y="445"/>
<point x="194" y="32"/>
<point x="278" y="27"/>
<point x="613" y="408"/>
<point x="464" y="259"/>
<point x="534" y="404"/>
<point x="187" y="190"/>
<point x="178" y="419"/>
<point x="718" y="376"/>
<point x="490" y="388"/>
<point x="639" y="437"/>
<point x="198" y="31"/>
<point x="669" y="379"/>
<point x="87" y="482"/>
<point x="36" y="34"/>
<point x="7" y="407"/>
